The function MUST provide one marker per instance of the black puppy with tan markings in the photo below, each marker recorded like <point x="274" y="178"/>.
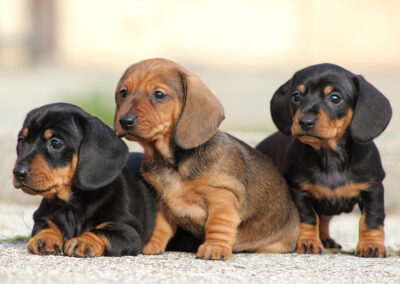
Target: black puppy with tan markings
<point x="208" y="182"/>
<point x="330" y="161"/>
<point x="95" y="199"/>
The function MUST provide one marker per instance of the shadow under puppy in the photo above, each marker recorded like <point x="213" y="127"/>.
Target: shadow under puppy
<point x="208" y="182"/>
<point x="95" y="199"/>
<point x="330" y="161"/>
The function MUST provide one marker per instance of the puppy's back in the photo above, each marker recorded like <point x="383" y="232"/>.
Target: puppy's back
<point x="275" y="147"/>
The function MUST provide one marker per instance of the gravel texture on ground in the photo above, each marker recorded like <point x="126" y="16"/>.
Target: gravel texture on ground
<point x="17" y="266"/>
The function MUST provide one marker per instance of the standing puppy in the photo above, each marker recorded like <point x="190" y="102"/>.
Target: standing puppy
<point x="95" y="201"/>
<point x="208" y="182"/>
<point x="330" y="161"/>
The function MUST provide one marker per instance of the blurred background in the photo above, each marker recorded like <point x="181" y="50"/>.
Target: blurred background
<point x="75" y="51"/>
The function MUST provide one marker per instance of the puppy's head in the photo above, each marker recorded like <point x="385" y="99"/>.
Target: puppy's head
<point x="60" y="146"/>
<point x="321" y="102"/>
<point x="159" y="100"/>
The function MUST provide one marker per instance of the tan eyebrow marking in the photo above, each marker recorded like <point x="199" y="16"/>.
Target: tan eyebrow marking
<point x="48" y="134"/>
<point x="328" y="89"/>
<point x="301" y="88"/>
<point x="25" y="132"/>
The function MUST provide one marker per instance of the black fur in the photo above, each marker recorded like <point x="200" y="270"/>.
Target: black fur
<point x="355" y="158"/>
<point x="107" y="186"/>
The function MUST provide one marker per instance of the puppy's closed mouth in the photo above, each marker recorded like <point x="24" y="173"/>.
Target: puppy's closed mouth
<point x="32" y="191"/>
<point x="309" y="135"/>
<point x="127" y="135"/>
<point x="313" y="136"/>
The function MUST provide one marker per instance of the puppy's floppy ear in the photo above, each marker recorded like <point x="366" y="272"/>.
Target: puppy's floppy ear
<point x="280" y="108"/>
<point x="372" y="112"/>
<point x="201" y="113"/>
<point x="102" y="155"/>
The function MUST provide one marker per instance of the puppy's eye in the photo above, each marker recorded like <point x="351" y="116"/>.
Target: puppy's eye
<point x="296" y="97"/>
<point x="335" y="98"/>
<point x="159" y="96"/>
<point x="55" y="144"/>
<point x="21" y="139"/>
<point x="123" y="93"/>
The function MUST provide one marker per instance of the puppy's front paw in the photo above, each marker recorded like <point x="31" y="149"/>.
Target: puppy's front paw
<point x="46" y="242"/>
<point x="330" y="243"/>
<point x="153" y="248"/>
<point x="308" y="241"/>
<point x="214" y="252"/>
<point x="86" y="245"/>
<point x="370" y="249"/>
<point x="312" y="246"/>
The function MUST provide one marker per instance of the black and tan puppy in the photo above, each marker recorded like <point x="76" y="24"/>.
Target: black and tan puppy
<point x="208" y="182"/>
<point x="330" y="161"/>
<point x="95" y="199"/>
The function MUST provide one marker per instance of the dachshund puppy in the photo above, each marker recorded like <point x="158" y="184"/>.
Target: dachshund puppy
<point x="95" y="200"/>
<point x="330" y="161"/>
<point x="208" y="182"/>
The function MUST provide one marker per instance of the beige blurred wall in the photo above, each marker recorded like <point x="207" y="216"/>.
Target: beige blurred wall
<point x="272" y="34"/>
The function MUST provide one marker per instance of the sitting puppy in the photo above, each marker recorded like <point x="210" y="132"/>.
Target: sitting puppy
<point x="208" y="182"/>
<point x="330" y="161"/>
<point x="95" y="199"/>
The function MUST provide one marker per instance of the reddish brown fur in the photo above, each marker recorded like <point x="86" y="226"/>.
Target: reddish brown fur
<point x="49" y="182"/>
<point x="25" y="132"/>
<point x="48" y="134"/>
<point x="326" y="132"/>
<point x="165" y="230"/>
<point x="102" y="225"/>
<point x="301" y="88"/>
<point x="155" y="121"/>
<point x="309" y="241"/>
<point x="51" y="239"/>
<point x="87" y="244"/>
<point x="214" y="202"/>
<point x="370" y="241"/>
<point x="328" y="89"/>
<point x="346" y="191"/>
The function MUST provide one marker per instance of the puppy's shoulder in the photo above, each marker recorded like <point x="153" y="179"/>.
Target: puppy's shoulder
<point x="134" y="162"/>
<point x="366" y="160"/>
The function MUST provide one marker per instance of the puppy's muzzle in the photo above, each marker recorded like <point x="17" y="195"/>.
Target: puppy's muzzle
<point x="128" y="121"/>
<point x="307" y="122"/>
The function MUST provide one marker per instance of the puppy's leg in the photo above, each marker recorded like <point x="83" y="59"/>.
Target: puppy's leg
<point x="48" y="241"/>
<point x="372" y="236"/>
<point x="221" y="225"/>
<point x="107" y="238"/>
<point x="163" y="232"/>
<point x="326" y="240"/>
<point x="89" y="244"/>
<point x="308" y="241"/>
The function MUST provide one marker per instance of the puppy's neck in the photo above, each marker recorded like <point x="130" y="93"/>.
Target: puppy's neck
<point x="335" y="159"/>
<point x="159" y="150"/>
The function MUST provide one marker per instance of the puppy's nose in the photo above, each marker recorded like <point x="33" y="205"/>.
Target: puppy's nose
<point x="127" y="121"/>
<point x="20" y="173"/>
<point x="307" y="122"/>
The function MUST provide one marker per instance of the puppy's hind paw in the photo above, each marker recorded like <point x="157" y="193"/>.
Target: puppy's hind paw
<point x="330" y="243"/>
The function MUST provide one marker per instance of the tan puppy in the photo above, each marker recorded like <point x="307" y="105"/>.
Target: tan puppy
<point x="208" y="182"/>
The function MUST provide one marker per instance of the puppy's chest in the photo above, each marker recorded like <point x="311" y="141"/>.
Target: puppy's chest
<point x="71" y="222"/>
<point x="179" y="195"/>
<point x="332" y="185"/>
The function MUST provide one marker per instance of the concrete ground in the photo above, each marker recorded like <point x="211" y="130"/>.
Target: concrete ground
<point x="17" y="266"/>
